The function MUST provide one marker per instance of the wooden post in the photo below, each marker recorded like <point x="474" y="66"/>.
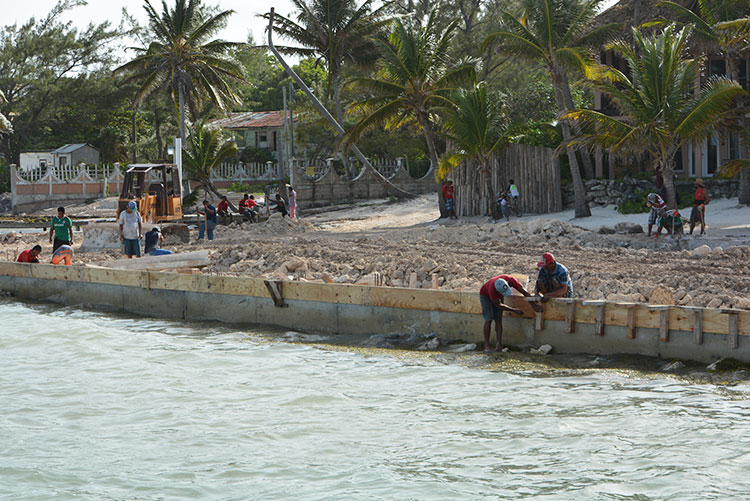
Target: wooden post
<point x="435" y="281"/>
<point x="570" y="314"/>
<point x="663" y="321"/>
<point x="413" y="280"/>
<point x="599" y="315"/>
<point x="631" y="318"/>
<point x="734" y="324"/>
<point x="539" y="324"/>
<point x="274" y="289"/>
<point x="697" y="324"/>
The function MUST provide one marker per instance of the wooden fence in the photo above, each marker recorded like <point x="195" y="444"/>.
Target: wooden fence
<point x="535" y="171"/>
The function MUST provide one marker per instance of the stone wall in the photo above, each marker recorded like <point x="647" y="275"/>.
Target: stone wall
<point x="600" y="192"/>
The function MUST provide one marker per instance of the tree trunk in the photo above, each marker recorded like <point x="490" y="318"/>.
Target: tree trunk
<point x="135" y="138"/>
<point x="588" y="167"/>
<point x="339" y="109"/>
<point x="432" y="152"/>
<point x="487" y="179"/>
<point x="744" y="188"/>
<point x="579" y="190"/>
<point x="744" y="194"/>
<point x="157" y="131"/>
<point x="181" y="99"/>
<point x="667" y="172"/>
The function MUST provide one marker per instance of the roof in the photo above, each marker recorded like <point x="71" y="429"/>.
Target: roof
<point x="250" y="120"/>
<point x="70" y="148"/>
<point x="147" y="167"/>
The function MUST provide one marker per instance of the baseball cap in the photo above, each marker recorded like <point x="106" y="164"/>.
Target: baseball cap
<point x="502" y="287"/>
<point x="547" y="259"/>
<point x="132" y="205"/>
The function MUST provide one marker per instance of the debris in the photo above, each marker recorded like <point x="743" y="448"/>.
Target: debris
<point x="676" y="365"/>
<point x="715" y="365"/>
<point x="545" y="349"/>
<point x="462" y="348"/>
<point x="432" y="344"/>
<point x="703" y="250"/>
<point x="606" y="230"/>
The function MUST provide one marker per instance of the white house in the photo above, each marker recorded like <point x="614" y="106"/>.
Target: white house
<point x="69" y="154"/>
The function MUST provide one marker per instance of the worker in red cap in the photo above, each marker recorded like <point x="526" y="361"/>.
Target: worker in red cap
<point x="491" y="297"/>
<point x="553" y="279"/>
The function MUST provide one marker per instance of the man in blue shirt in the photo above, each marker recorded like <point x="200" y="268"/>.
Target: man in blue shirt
<point x="553" y="279"/>
<point x="210" y="222"/>
<point x="152" y="244"/>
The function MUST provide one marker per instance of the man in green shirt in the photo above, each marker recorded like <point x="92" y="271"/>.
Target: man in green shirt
<point x="62" y="230"/>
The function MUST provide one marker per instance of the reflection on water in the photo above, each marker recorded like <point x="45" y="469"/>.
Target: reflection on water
<point x="111" y="407"/>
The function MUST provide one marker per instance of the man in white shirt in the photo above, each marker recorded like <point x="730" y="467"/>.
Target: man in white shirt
<point x="131" y="230"/>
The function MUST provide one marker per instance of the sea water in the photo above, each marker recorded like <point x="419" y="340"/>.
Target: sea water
<point x="99" y="406"/>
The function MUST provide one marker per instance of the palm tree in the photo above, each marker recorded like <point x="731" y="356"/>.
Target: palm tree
<point x="475" y="129"/>
<point x="722" y="25"/>
<point x="415" y="81"/>
<point x="558" y="33"/>
<point x="335" y="31"/>
<point x="206" y="149"/>
<point x="658" y="107"/>
<point x="182" y="59"/>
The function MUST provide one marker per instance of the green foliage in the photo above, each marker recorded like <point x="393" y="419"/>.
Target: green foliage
<point x="256" y="155"/>
<point x="637" y="203"/>
<point x="547" y="134"/>
<point x="206" y="149"/>
<point x="4" y="176"/>
<point x="239" y="187"/>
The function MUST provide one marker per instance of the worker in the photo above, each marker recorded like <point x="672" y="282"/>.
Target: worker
<point x="491" y="297"/>
<point x="553" y="279"/>
<point x="30" y="255"/>
<point x="152" y="243"/>
<point x="672" y="222"/>
<point x="447" y="190"/>
<point x="61" y="228"/>
<point x="210" y="220"/>
<point x="63" y="254"/>
<point x="698" y="214"/>
<point x="248" y="207"/>
<point x="658" y="206"/>
<point x="292" y="195"/>
<point x="131" y="230"/>
<point x="280" y="206"/>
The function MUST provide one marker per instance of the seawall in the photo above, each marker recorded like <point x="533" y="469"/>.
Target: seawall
<point x="594" y="327"/>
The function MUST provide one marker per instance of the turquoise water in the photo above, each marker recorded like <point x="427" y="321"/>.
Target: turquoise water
<point x="95" y="406"/>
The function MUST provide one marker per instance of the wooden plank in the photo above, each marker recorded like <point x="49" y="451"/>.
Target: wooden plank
<point x="697" y="324"/>
<point x="733" y="328"/>
<point x="275" y="290"/>
<point x="663" y="321"/>
<point x="599" y="305"/>
<point x="186" y="259"/>
<point x="570" y="316"/>
<point x="631" y="320"/>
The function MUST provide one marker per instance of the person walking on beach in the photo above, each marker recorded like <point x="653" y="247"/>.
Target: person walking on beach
<point x="698" y="214"/>
<point x="491" y="297"/>
<point x="210" y="220"/>
<point x="62" y="230"/>
<point x="64" y="254"/>
<point x="553" y="279"/>
<point x="131" y="230"/>
<point x="658" y="207"/>
<point x="447" y="190"/>
<point x="30" y="255"/>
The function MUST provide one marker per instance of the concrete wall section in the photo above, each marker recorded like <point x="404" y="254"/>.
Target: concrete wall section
<point x="351" y="309"/>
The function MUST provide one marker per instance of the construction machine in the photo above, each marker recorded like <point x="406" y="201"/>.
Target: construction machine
<point x="158" y="197"/>
<point x="157" y="191"/>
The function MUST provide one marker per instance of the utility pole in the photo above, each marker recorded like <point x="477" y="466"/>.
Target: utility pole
<point x="292" y="167"/>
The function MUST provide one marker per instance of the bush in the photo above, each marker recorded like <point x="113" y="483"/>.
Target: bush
<point x="636" y="204"/>
<point x="256" y="155"/>
<point x="239" y="188"/>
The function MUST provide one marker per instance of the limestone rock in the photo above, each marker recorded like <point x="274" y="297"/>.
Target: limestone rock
<point x="661" y="295"/>
<point x="606" y="230"/>
<point x="676" y="365"/>
<point x="628" y="228"/>
<point x="703" y="250"/>
<point x="462" y="348"/>
<point x="432" y="344"/>
<point x="623" y="298"/>
<point x="545" y="349"/>
<point x="714" y="303"/>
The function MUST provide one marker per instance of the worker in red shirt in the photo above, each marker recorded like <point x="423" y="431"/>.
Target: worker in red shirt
<point x="491" y="297"/>
<point x="248" y="206"/>
<point x="30" y="255"/>
<point x="223" y="208"/>
<point x="447" y="190"/>
<point x="698" y="213"/>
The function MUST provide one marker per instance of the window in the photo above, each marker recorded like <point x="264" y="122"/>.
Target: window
<point x="734" y="146"/>
<point x="63" y="161"/>
<point x="678" y="166"/>
<point x="743" y="73"/>
<point x="43" y="163"/>
<point x="717" y="68"/>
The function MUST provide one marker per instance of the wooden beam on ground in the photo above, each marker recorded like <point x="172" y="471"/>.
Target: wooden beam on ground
<point x="195" y="259"/>
<point x="599" y="315"/>
<point x="274" y="289"/>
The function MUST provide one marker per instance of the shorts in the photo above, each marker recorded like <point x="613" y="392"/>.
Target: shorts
<point x="695" y="214"/>
<point x="654" y="215"/>
<point x="490" y="311"/>
<point x="449" y="204"/>
<point x="57" y="243"/>
<point x="131" y="247"/>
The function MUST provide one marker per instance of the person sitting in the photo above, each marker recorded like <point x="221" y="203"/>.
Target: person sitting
<point x="248" y="207"/>
<point x="153" y="240"/>
<point x="63" y="254"/>
<point x="280" y="206"/>
<point x="30" y="255"/>
<point x="223" y="207"/>
<point x="553" y="279"/>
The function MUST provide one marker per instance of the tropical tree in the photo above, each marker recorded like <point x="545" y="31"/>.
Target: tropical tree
<point x="722" y="26"/>
<point x="206" y="149"/>
<point x="658" y="108"/>
<point x="560" y="34"/>
<point x="5" y="125"/>
<point x="181" y="59"/>
<point x="415" y="81"/>
<point x="476" y="130"/>
<point x="335" y="31"/>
